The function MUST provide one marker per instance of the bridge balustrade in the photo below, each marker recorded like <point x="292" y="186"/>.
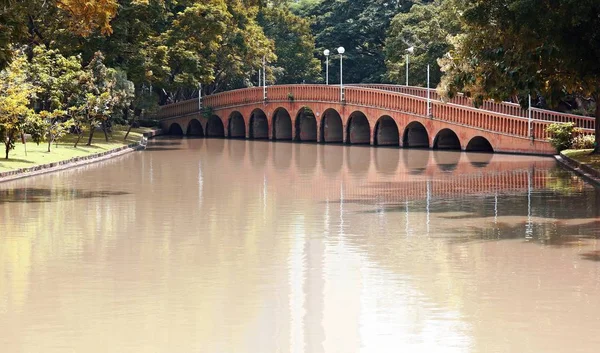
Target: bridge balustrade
<point x="177" y="109"/>
<point x="583" y="122"/>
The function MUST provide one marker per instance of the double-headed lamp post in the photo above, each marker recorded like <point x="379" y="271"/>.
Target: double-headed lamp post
<point x="408" y="51"/>
<point x="341" y="51"/>
<point x="326" y="53"/>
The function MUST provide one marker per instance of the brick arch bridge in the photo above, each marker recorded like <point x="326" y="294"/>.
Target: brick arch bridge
<point x="376" y="115"/>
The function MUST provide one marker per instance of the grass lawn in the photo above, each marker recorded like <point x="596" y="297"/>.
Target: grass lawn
<point x="37" y="154"/>
<point x="584" y="157"/>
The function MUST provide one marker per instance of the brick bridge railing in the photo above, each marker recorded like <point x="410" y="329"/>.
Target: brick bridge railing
<point x="504" y="119"/>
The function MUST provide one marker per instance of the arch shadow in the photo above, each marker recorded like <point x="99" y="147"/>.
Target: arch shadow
<point x="175" y="129"/>
<point x="306" y="125"/>
<point x="358" y="130"/>
<point x="479" y="144"/>
<point x="446" y="139"/>
<point x="214" y="127"/>
<point x="259" y="125"/>
<point x="282" y="125"/>
<point x="386" y="132"/>
<point x="415" y="136"/>
<point x="332" y="129"/>
<point x="236" y="127"/>
<point x="194" y="128"/>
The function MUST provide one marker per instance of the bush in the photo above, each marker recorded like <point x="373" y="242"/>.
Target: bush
<point x="562" y="135"/>
<point x="584" y="142"/>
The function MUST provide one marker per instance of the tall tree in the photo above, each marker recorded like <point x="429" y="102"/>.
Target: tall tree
<point x="426" y="28"/>
<point x="15" y="100"/>
<point x="520" y="47"/>
<point x="40" y="21"/>
<point x="359" y="26"/>
<point x="294" y="44"/>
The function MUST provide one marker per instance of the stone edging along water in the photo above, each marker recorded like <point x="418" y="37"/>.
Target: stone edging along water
<point x="78" y="161"/>
<point x="588" y="173"/>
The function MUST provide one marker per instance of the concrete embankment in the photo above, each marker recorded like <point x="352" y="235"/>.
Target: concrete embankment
<point x="588" y="173"/>
<point x="78" y="161"/>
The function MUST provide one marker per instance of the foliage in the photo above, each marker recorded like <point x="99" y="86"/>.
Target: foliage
<point x="512" y="48"/>
<point x="562" y="135"/>
<point x="207" y="112"/>
<point x="37" y="22"/>
<point x="427" y="29"/>
<point x="360" y="26"/>
<point x="583" y="142"/>
<point x="294" y="45"/>
<point x="15" y="98"/>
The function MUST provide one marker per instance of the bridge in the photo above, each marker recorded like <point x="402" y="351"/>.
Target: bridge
<point x="378" y="115"/>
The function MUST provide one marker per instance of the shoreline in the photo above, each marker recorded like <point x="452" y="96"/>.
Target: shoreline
<point x="78" y="161"/>
<point x="589" y="174"/>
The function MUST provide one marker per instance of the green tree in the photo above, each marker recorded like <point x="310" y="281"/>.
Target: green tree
<point x="35" y="22"/>
<point x="58" y="82"/>
<point x="427" y="28"/>
<point x="294" y="45"/>
<point x="15" y="101"/>
<point x="512" y="48"/>
<point x="106" y="91"/>
<point x="360" y="26"/>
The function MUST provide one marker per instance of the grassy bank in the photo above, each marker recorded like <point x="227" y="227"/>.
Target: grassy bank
<point x="584" y="157"/>
<point x="37" y="154"/>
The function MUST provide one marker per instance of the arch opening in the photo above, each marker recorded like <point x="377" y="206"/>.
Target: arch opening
<point x="415" y="136"/>
<point x="214" y="127"/>
<point x="282" y="125"/>
<point x="306" y="125"/>
<point x="236" y="126"/>
<point x="332" y="129"/>
<point x="195" y="128"/>
<point x="259" y="125"/>
<point x="359" y="130"/>
<point x="386" y="132"/>
<point x="479" y="144"/>
<point x="175" y="129"/>
<point x="446" y="139"/>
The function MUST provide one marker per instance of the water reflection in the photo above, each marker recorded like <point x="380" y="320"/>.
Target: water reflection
<point x="447" y="161"/>
<point x="332" y="158"/>
<point x="34" y="195"/>
<point x="218" y="246"/>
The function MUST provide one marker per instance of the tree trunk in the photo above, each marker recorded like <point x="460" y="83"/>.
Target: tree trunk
<point x="597" y="126"/>
<point x="50" y="140"/>
<point x="78" y="139"/>
<point x="104" y="130"/>
<point x="92" y="128"/>
<point x="6" y="144"/>
<point x="128" y="130"/>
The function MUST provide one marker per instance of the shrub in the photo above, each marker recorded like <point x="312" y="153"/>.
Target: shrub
<point x="583" y="142"/>
<point x="562" y="135"/>
<point x="290" y="96"/>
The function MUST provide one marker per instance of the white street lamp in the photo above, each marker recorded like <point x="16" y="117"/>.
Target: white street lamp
<point x="326" y="53"/>
<point x="408" y="51"/>
<point x="341" y="51"/>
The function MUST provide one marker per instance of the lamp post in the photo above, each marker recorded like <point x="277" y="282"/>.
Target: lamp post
<point x="264" y="80"/>
<point x="408" y="51"/>
<point x="341" y="51"/>
<point x="326" y="53"/>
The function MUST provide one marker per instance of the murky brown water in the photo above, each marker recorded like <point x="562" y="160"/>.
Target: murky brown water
<point x="237" y="246"/>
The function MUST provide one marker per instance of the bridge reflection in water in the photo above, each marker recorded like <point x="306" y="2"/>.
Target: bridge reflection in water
<point x="250" y="246"/>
